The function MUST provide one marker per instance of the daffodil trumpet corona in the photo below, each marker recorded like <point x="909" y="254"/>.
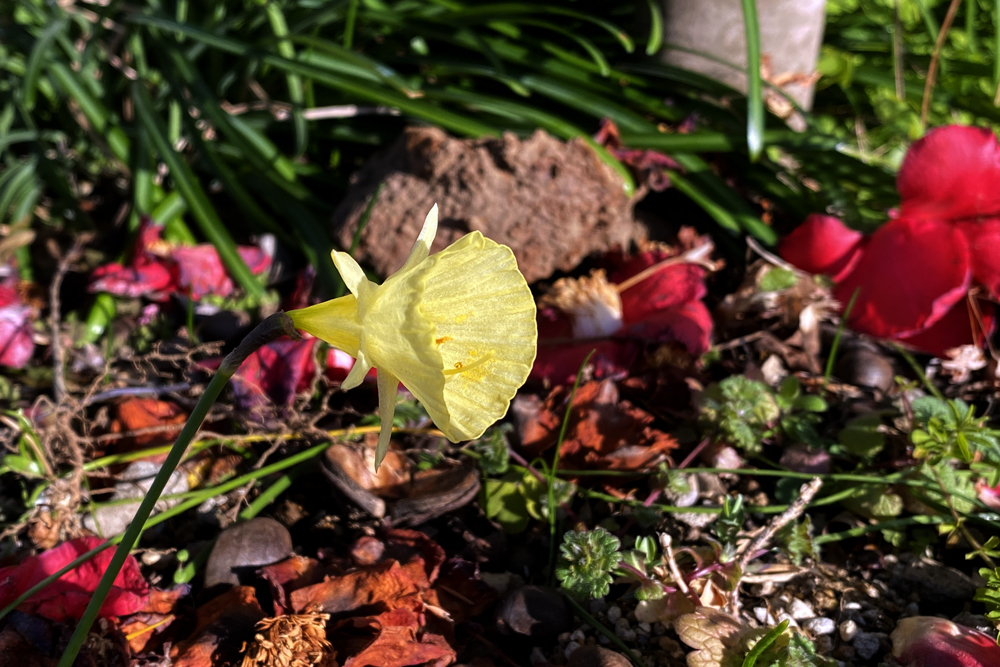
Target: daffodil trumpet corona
<point x="457" y="328"/>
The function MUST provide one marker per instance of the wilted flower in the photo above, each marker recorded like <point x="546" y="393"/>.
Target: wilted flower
<point x="917" y="276"/>
<point x="926" y="641"/>
<point x="457" y="328"/>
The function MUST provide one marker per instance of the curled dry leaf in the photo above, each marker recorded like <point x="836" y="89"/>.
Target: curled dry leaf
<point x="605" y="433"/>
<point x="222" y="627"/>
<point x="925" y="641"/>
<point x="68" y="596"/>
<point x="145" y="414"/>
<point x="398" y="641"/>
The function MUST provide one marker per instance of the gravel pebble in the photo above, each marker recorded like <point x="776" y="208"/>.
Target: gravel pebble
<point x="848" y="629"/>
<point x="578" y="636"/>
<point x="866" y="645"/>
<point x="598" y="605"/>
<point x="624" y="630"/>
<point x="800" y="610"/>
<point x="570" y="649"/>
<point x="820" y="625"/>
<point x="643" y="628"/>
<point x="614" y="613"/>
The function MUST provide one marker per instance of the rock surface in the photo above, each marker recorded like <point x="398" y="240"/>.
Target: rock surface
<point x="255" y="543"/>
<point x="553" y="202"/>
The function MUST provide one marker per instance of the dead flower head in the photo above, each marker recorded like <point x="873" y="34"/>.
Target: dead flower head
<point x="296" y="640"/>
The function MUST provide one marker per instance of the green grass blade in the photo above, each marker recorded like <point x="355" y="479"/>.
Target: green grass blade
<point x="187" y="184"/>
<point x="92" y="109"/>
<point x="39" y="52"/>
<point x="655" y="40"/>
<point x="350" y="19"/>
<point x="295" y="88"/>
<point x="755" y="91"/>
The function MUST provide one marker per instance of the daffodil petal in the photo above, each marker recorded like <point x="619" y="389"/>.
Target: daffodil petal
<point x="335" y="321"/>
<point x="387" y="386"/>
<point x="349" y="271"/>
<point x="422" y="248"/>
<point x="357" y="373"/>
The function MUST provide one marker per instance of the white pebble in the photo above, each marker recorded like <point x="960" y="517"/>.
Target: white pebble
<point x="624" y="631"/>
<point x="820" y="626"/>
<point x="866" y="645"/>
<point x="800" y="610"/>
<point x="848" y="629"/>
<point x="763" y="616"/>
<point x="643" y="628"/>
<point x="614" y="613"/>
<point x="578" y="636"/>
<point x="603" y="640"/>
<point x="852" y="605"/>
<point x="570" y="647"/>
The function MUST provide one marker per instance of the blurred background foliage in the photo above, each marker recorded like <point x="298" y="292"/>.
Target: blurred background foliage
<point x="228" y="119"/>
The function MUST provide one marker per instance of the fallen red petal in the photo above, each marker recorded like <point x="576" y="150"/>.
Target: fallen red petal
<point x="983" y="237"/>
<point x="951" y="173"/>
<point x="16" y="343"/>
<point x="68" y="596"/>
<point x="925" y="641"/>
<point x="910" y="274"/>
<point x="823" y="244"/>
<point x="275" y="372"/>
<point x="958" y="327"/>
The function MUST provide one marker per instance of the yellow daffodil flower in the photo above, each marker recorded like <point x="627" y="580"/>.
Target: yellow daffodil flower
<point x="457" y="328"/>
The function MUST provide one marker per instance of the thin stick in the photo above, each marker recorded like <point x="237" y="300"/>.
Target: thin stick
<point x="925" y="106"/>
<point x="274" y="327"/>
<point x="58" y="354"/>
<point x="793" y="512"/>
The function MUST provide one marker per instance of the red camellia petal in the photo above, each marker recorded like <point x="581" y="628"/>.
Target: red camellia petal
<point x="16" y="343"/>
<point x="560" y="362"/>
<point x="153" y="278"/>
<point x="958" y="327"/>
<point x="910" y="274"/>
<point x="823" y="244"/>
<point x="68" y="596"/>
<point x="951" y="173"/>
<point x="689" y="323"/>
<point x="276" y="372"/>
<point x="925" y="641"/>
<point x="669" y="287"/>
<point x="983" y="237"/>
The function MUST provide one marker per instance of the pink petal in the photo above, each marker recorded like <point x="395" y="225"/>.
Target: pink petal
<point x="202" y="273"/>
<point x="69" y="595"/>
<point x="339" y="364"/>
<point x="16" y="343"/>
<point x="983" y="237"/>
<point x="910" y="274"/>
<point x="925" y="641"/>
<point x="951" y="173"/>
<point x="955" y="329"/>
<point x="823" y="244"/>
<point x="153" y="278"/>
<point x="275" y="372"/>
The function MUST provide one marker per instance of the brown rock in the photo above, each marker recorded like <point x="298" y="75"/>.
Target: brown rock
<point x="596" y="656"/>
<point x="552" y="202"/>
<point x="244" y="547"/>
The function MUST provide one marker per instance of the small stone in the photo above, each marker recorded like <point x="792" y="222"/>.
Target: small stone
<point x="852" y="605"/>
<point x="570" y="649"/>
<point x="784" y="616"/>
<point x="823" y="644"/>
<point x="659" y="629"/>
<point x="800" y="610"/>
<point x="624" y="630"/>
<point x="866" y="645"/>
<point x="614" y="613"/>
<point x="534" y="611"/>
<point x="643" y="628"/>
<point x="134" y="482"/>
<point x="913" y="609"/>
<point x="848" y="629"/>
<point x="563" y="638"/>
<point x="976" y="622"/>
<point x="598" y="605"/>
<point x="595" y="656"/>
<point x="246" y="547"/>
<point x="603" y="639"/>
<point x="820" y="626"/>
<point x="844" y="652"/>
<point x="578" y="636"/>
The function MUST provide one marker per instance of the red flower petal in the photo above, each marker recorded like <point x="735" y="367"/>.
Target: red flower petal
<point x="276" y="372"/>
<point x="559" y="362"/>
<point x="69" y="595"/>
<point x="154" y="279"/>
<point x="669" y="287"/>
<point x="955" y="329"/>
<point x="984" y="252"/>
<point x="16" y="343"/>
<point x="951" y="173"/>
<point x="910" y="274"/>
<point x="690" y="324"/>
<point x="925" y="641"/>
<point x="823" y="244"/>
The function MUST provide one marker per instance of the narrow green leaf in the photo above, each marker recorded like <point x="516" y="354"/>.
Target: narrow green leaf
<point x="187" y="184"/>
<point x="39" y="52"/>
<point x="295" y="88"/>
<point x="764" y="643"/>
<point x="755" y="92"/>
<point x="352" y="15"/>
<point x="655" y="40"/>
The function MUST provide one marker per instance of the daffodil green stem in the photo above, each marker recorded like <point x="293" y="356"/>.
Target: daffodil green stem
<point x="272" y="328"/>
